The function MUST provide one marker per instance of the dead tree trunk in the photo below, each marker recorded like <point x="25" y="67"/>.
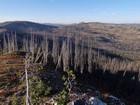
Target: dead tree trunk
<point x="27" y="65"/>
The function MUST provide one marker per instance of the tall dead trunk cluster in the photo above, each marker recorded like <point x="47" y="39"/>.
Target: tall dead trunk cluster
<point x="67" y="54"/>
<point x="55" y="49"/>
<point x="9" y="43"/>
<point x="44" y="49"/>
<point x="75" y="53"/>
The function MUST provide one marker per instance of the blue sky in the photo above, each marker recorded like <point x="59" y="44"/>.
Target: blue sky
<point x="71" y="11"/>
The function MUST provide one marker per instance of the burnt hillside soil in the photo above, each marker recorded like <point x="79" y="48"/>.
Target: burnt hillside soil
<point x="12" y="80"/>
<point x="11" y="76"/>
<point x="126" y="87"/>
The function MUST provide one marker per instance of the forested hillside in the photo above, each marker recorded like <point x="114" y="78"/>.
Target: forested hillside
<point x="105" y="55"/>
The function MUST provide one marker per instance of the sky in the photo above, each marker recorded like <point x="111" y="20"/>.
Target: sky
<point x="70" y="11"/>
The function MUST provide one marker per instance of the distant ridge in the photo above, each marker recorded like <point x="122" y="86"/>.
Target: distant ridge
<point x="25" y="26"/>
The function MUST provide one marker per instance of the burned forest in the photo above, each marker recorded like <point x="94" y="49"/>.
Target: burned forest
<point x="98" y="55"/>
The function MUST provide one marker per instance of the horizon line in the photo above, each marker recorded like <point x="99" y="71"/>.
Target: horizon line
<point x="71" y="22"/>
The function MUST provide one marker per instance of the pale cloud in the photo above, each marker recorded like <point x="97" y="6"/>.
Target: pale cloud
<point x="112" y="13"/>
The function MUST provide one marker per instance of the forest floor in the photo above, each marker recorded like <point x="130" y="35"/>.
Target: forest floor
<point x="13" y="86"/>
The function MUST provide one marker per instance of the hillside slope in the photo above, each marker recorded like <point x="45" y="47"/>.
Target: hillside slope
<point x="26" y="27"/>
<point x="11" y="76"/>
<point x="121" y="39"/>
<point x="13" y="85"/>
<point x="109" y="52"/>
